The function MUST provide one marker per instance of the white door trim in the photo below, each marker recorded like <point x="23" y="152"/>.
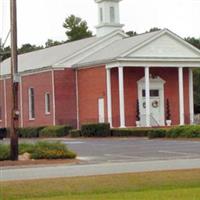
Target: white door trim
<point x="158" y="84"/>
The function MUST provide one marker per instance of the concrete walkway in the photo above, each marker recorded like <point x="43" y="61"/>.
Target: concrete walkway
<point x="96" y="169"/>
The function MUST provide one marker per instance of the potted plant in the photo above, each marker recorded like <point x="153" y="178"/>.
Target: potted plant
<point x="168" y="114"/>
<point x="137" y="114"/>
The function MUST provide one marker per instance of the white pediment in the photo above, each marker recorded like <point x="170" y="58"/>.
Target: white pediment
<point x="166" y="46"/>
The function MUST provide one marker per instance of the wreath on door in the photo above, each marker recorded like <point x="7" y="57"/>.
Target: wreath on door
<point x="155" y="104"/>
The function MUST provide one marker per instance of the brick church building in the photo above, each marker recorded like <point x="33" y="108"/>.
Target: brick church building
<point x="145" y="80"/>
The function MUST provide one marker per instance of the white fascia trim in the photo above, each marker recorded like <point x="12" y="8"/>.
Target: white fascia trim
<point x="32" y="72"/>
<point x="154" y="63"/>
<point x="38" y="71"/>
<point x="164" y="31"/>
<point x="107" y="37"/>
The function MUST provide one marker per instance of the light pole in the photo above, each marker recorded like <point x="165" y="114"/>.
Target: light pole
<point x="14" y="83"/>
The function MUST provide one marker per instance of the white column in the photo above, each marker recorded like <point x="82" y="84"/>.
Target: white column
<point x="181" y="96"/>
<point x="191" y="96"/>
<point x="121" y="97"/>
<point x="147" y="92"/>
<point x="109" y="98"/>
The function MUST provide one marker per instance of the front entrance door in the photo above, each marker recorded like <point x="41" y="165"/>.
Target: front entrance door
<point x="156" y="102"/>
<point x="155" y="107"/>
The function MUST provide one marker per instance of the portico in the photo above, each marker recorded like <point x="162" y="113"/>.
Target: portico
<point x="149" y="85"/>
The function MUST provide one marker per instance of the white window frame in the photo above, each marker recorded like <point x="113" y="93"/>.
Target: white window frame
<point x="101" y="15"/>
<point x="112" y="14"/>
<point x="47" y="103"/>
<point x="31" y="112"/>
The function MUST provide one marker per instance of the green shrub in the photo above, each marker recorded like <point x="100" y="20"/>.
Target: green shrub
<point x="184" y="132"/>
<point x="47" y="150"/>
<point x="26" y="148"/>
<point x="157" y="133"/>
<point x="30" y="132"/>
<point x="130" y="132"/>
<point x="4" y="152"/>
<point x="96" y="130"/>
<point x="75" y="133"/>
<point x="39" y="150"/>
<point x="55" y="131"/>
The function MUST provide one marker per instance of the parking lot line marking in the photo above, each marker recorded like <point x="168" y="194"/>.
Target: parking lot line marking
<point x="180" y="153"/>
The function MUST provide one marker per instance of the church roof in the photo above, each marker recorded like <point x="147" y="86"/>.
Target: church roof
<point x="48" y="56"/>
<point x="103" y="50"/>
<point x="162" y="45"/>
<point x="116" y="49"/>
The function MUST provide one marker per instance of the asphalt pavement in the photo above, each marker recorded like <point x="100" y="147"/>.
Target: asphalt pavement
<point x="115" y="155"/>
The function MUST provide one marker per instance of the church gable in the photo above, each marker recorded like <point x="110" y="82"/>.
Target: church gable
<point x="167" y="45"/>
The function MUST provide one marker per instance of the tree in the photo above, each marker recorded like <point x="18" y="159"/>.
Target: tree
<point x="153" y="29"/>
<point x="51" y="43"/>
<point x="25" y="48"/>
<point x="193" y="41"/>
<point x="131" y="33"/>
<point x="76" y="28"/>
<point x="5" y="52"/>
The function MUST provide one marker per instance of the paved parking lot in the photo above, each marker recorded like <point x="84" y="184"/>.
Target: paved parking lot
<point x="113" y="156"/>
<point x="133" y="149"/>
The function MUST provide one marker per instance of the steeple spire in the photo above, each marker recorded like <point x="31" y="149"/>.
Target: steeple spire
<point x="108" y="17"/>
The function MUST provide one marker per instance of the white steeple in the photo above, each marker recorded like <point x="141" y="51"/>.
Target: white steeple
<point x="108" y="17"/>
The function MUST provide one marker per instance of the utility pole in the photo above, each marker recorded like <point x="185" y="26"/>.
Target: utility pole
<point x="14" y="83"/>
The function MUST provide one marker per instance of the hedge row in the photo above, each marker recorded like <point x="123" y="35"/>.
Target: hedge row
<point x="129" y="132"/>
<point x="184" y="132"/>
<point x="192" y="131"/>
<point x="55" y="131"/>
<point x="42" y="131"/>
<point x="103" y="130"/>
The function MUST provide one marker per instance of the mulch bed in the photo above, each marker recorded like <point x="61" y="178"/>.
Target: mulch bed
<point x="37" y="162"/>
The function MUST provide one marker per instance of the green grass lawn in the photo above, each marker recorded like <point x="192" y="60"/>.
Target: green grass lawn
<point x="170" y="185"/>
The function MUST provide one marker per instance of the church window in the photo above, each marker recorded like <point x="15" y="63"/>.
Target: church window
<point x="101" y="14"/>
<point x="31" y="100"/>
<point x="112" y="14"/>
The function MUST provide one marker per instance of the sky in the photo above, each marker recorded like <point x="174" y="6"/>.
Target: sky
<point x="40" y="20"/>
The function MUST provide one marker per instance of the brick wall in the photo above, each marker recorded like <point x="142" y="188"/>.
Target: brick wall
<point x="2" y="110"/>
<point x="65" y="97"/>
<point x="41" y="83"/>
<point x="91" y="87"/>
